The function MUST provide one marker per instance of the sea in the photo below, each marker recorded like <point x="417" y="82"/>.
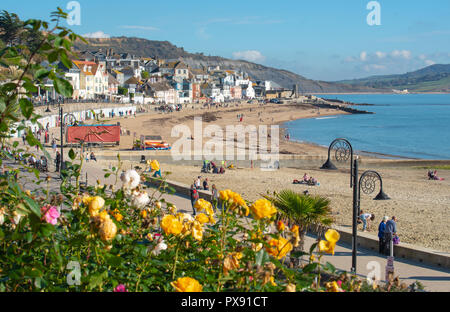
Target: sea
<point x="415" y="126"/>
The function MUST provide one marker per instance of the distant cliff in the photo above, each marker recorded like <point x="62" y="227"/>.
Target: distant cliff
<point x="166" y="50"/>
<point x="434" y="78"/>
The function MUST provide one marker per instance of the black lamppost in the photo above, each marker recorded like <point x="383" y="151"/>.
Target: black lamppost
<point x="344" y="152"/>
<point x="61" y="118"/>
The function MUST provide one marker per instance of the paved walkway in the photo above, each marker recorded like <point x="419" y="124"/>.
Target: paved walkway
<point x="433" y="278"/>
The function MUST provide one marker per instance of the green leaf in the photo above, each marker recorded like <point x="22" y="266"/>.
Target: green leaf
<point x="261" y="257"/>
<point x="65" y="59"/>
<point x="63" y="87"/>
<point x="311" y="249"/>
<point x="72" y="154"/>
<point x="32" y="205"/>
<point x="330" y="267"/>
<point x="41" y="73"/>
<point x="298" y="254"/>
<point x="53" y="57"/>
<point x="30" y="87"/>
<point x="46" y="230"/>
<point x="310" y="267"/>
<point x="26" y="107"/>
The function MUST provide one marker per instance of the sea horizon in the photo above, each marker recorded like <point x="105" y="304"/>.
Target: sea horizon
<point x="404" y="126"/>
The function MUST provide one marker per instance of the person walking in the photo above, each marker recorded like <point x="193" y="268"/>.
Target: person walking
<point x="194" y="197"/>
<point x="381" y="229"/>
<point x="58" y="161"/>
<point x="214" y="196"/>
<point x="54" y="145"/>
<point x="205" y="184"/>
<point x="389" y="232"/>
<point x="198" y="183"/>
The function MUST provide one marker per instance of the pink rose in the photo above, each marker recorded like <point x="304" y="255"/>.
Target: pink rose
<point x="120" y="288"/>
<point x="51" y="214"/>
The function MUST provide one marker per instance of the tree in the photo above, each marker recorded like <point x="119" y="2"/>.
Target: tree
<point x="10" y="27"/>
<point x="303" y="210"/>
<point x="122" y="91"/>
<point x="145" y="75"/>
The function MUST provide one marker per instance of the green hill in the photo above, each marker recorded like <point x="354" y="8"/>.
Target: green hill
<point x="434" y="78"/>
<point x="166" y="50"/>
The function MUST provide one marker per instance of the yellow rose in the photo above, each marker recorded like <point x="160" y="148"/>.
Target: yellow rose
<point x="103" y="216"/>
<point x="279" y="247"/>
<point x="187" y="284"/>
<point x="95" y="205"/>
<point x="263" y="208"/>
<point x="107" y="230"/>
<point x="290" y="288"/>
<point x="86" y="199"/>
<point x="202" y="218"/>
<point x="118" y="216"/>
<point x="197" y="231"/>
<point x="333" y="287"/>
<point x="332" y="236"/>
<point x="328" y="245"/>
<point x="225" y="195"/>
<point x="154" y="165"/>
<point x="231" y="262"/>
<point x="202" y="204"/>
<point x="171" y="225"/>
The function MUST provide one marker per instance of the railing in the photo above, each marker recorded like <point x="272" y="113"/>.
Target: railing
<point x="37" y="103"/>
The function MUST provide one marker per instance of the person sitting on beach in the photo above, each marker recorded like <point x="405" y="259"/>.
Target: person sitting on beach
<point x="222" y="170"/>
<point x="432" y="175"/>
<point x="215" y="170"/>
<point x="305" y="178"/>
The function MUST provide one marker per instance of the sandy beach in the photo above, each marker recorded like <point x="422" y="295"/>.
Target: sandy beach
<point x="421" y="205"/>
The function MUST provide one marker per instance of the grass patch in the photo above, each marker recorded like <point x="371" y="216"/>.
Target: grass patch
<point x="440" y="167"/>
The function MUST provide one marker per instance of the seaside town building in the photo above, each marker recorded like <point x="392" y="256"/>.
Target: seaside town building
<point x="105" y="75"/>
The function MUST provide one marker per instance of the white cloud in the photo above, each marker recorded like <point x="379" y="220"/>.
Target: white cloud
<point x="139" y="27"/>
<point x="380" y="54"/>
<point x="363" y="56"/>
<point x="97" y="34"/>
<point x="429" y="62"/>
<point x="401" y="54"/>
<point x="250" y="55"/>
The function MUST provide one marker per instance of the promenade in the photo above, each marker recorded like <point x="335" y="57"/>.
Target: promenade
<point x="434" y="279"/>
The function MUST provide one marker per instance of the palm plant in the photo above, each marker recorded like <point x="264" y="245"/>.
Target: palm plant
<point x="303" y="210"/>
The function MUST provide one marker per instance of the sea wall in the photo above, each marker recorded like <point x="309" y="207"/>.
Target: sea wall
<point x="367" y="241"/>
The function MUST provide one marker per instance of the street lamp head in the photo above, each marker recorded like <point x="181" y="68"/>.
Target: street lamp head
<point x="328" y="165"/>
<point x="382" y="196"/>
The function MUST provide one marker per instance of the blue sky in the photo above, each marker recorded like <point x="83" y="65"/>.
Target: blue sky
<point x="322" y="39"/>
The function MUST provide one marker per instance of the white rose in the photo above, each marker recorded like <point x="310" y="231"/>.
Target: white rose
<point x="140" y="199"/>
<point x="130" y="179"/>
<point x="161" y="246"/>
